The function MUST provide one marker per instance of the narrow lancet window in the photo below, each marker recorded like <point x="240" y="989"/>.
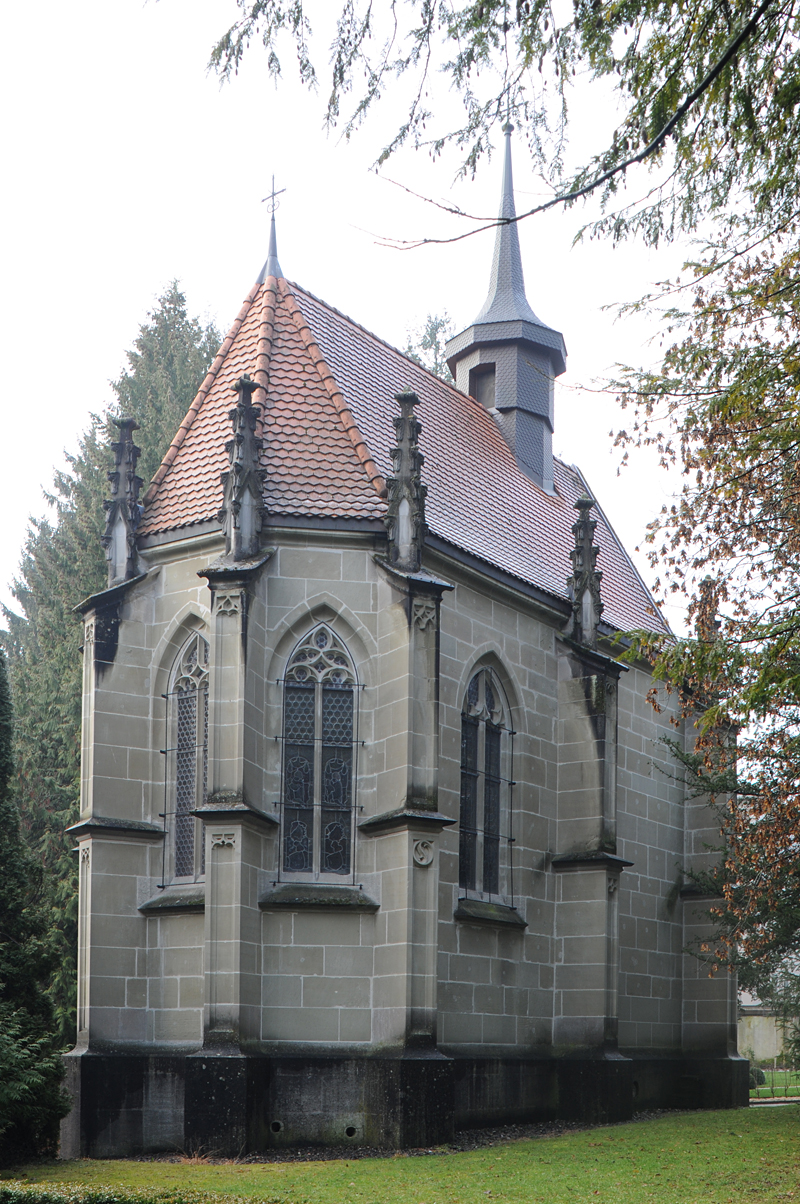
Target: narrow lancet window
<point x="484" y="819"/>
<point x="189" y="703"/>
<point x="318" y="757"/>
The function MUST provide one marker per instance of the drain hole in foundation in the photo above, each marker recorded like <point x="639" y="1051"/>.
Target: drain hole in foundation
<point x="350" y="1131"/>
<point x="276" y="1126"/>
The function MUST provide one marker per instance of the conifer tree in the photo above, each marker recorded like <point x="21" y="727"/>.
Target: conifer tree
<point x="31" y="1100"/>
<point x="63" y="563"/>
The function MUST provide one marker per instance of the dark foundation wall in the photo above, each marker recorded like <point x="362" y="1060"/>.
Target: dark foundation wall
<point x="229" y="1103"/>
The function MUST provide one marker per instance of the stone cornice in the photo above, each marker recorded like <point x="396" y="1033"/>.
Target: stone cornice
<point x="291" y="896"/>
<point x="227" y="571"/>
<point x="401" y="817"/>
<point x="102" y="825"/>
<point x="113" y="594"/>
<point x="233" y="808"/>
<point x="593" y="859"/>
<point x="188" y="900"/>
<point x="481" y="912"/>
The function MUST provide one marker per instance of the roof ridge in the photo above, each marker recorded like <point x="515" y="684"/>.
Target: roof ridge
<point x="200" y="396"/>
<point x="334" y="392"/>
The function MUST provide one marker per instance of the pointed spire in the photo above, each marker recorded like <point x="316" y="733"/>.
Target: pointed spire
<point x="506" y="300"/>
<point x="584" y="584"/>
<point x="123" y="511"/>
<point x="405" y="517"/>
<point x="243" y="507"/>
<point x="272" y="267"/>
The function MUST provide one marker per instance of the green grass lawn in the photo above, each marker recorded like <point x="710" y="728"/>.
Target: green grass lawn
<point x="691" y="1158"/>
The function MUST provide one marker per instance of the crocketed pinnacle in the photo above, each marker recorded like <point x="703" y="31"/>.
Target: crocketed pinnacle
<point x="271" y="267"/>
<point x="506" y="300"/>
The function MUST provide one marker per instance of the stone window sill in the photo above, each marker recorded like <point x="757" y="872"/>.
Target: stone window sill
<point x="189" y="900"/>
<point x="291" y="896"/>
<point x="488" y="913"/>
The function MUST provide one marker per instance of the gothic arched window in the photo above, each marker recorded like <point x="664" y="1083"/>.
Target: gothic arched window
<point x="484" y="819"/>
<point x="188" y="699"/>
<point x="318" y="756"/>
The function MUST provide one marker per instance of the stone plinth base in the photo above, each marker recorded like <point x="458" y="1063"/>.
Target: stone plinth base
<point x="227" y="1103"/>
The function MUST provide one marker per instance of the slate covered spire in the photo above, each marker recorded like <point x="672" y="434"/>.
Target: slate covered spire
<point x="405" y="516"/>
<point x="584" y="584"/>
<point x="508" y="358"/>
<point x="506" y="300"/>
<point x="272" y="267"/>
<point x="242" y="508"/>
<point x="123" y="510"/>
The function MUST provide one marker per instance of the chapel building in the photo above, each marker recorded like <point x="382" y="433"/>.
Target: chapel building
<point x="378" y="837"/>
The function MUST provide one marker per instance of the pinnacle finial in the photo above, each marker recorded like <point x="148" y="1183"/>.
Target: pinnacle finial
<point x="243" y="507"/>
<point x="272" y="267"/>
<point x="584" y="584"/>
<point x="123" y="511"/>
<point x="506" y="300"/>
<point x="405" y="517"/>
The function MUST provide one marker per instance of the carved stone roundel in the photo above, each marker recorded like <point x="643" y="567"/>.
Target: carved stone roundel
<point x="423" y="852"/>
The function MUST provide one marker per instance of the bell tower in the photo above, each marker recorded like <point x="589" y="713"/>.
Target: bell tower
<point x="508" y="359"/>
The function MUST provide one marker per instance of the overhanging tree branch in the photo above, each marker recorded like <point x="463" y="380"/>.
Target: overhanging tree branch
<point x="576" y="194"/>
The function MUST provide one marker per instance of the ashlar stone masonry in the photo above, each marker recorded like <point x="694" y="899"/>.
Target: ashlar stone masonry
<point x="378" y="837"/>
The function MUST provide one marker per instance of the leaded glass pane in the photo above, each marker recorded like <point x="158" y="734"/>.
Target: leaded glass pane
<point x="297" y="847"/>
<point x="337" y="716"/>
<point x="298" y="779"/>
<point x="186" y="783"/>
<point x="299" y="724"/>
<point x="337" y="763"/>
<point x="491" y="811"/>
<point x="468" y="812"/>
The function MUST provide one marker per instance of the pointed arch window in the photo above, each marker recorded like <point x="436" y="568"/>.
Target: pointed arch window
<point x="485" y="839"/>
<point x="188" y="721"/>
<point x="319" y="711"/>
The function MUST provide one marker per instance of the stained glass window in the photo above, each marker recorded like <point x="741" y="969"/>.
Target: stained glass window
<point x="485" y="726"/>
<point x="318" y="762"/>
<point x="189" y="699"/>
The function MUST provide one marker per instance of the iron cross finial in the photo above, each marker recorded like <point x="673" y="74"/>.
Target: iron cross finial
<point x="272" y="197"/>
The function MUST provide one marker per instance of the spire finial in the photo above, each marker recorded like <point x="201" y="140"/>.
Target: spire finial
<point x="584" y="584"/>
<point x="405" y="517"/>
<point x="272" y="267"/>
<point x="123" y="511"/>
<point x="243" y="506"/>
<point x="506" y="300"/>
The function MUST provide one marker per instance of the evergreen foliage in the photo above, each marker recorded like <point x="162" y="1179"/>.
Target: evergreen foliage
<point x="31" y="1100"/>
<point x="63" y="563"/>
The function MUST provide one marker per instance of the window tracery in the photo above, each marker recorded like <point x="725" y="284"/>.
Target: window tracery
<point x="318" y="757"/>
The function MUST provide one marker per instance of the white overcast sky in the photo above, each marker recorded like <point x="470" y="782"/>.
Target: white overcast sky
<point x="126" y="165"/>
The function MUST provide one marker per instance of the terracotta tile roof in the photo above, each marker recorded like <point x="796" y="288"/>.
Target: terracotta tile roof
<point x="327" y="427"/>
